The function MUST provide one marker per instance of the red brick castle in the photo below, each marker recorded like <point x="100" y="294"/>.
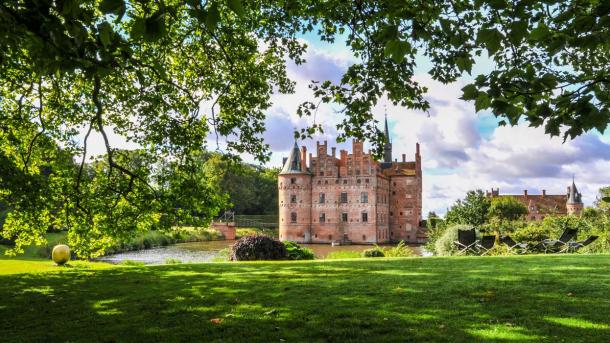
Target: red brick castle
<point x="350" y="197"/>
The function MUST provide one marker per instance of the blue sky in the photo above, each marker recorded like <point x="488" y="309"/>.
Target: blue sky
<point x="461" y="149"/>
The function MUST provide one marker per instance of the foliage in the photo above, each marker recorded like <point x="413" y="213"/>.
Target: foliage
<point x="250" y="189"/>
<point x="505" y="298"/>
<point x="167" y="75"/>
<point x="444" y="245"/>
<point x="172" y="261"/>
<point x="258" y="247"/>
<point x="603" y="199"/>
<point x="506" y="209"/>
<point x="297" y="252"/>
<point x="245" y="231"/>
<point x="373" y="252"/>
<point x="472" y="210"/>
<point x="400" y="250"/>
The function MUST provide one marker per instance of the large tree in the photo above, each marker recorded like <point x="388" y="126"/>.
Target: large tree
<point x="472" y="210"/>
<point x="167" y="74"/>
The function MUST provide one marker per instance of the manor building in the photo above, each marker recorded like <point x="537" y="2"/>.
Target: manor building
<point x="350" y="197"/>
<point x="543" y="205"/>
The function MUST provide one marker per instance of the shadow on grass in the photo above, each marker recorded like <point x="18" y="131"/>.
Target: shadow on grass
<point x="532" y="298"/>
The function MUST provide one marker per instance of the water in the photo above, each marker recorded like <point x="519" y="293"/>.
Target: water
<point x="207" y="251"/>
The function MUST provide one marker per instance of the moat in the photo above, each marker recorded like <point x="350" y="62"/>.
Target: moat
<point x="208" y="251"/>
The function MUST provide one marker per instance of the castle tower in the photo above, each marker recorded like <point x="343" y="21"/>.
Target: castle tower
<point x="387" y="148"/>
<point x="574" y="204"/>
<point x="294" y="197"/>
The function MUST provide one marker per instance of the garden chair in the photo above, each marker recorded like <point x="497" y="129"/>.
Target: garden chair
<point x="556" y="245"/>
<point x="467" y="242"/>
<point x="573" y="246"/>
<point x="485" y="244"/>
<point x="512" y="245"/>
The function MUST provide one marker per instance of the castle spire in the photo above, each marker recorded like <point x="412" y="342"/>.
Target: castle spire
<point x="293" y="162"/>
<point x="574" y="196"/>
<point x="387" y="148"/>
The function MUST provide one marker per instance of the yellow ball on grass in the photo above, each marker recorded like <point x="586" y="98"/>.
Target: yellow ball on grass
<point x="61" y="254"/>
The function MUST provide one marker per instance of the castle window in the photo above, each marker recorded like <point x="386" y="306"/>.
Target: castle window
<point x="343" y="217"/>
<point x="322" y="198"/>
<point x="344" y="198"/>
<point x="337" y="181"/>
<point x="293" y="217"/>
<point x="364" y="197"/>
<point x="345" y="182"/>
<point x="393" y="192"/>
<point x="293" y="180"/>
<point x="322" y="217"/>
<point x="357" y="171"/>
<point x="366" y="180"/>
<point x="391" y="214"/>
<point x="363" y="237"/>
<point x="293" y="198"/>
<point x="321" y="173"/>
<point x="365" y="217"/>
<point x="319" y="182"/>
<point x="401" y="213"/>
<point x="326" y="182"/>
<point x="330" y="237"/>
<point x="358" y="181"/>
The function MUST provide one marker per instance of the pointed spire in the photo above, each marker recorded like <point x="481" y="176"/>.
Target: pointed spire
<point x="387" y="148"/>
<point x="293" y="162"/>
<point x="387" y="131"/>
<point x="574" y="196"/>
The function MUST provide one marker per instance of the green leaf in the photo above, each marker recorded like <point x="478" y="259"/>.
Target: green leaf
<point x="470" y="92"/>
<point x="236" y="6"/>
<point x="212" y="18"/>
<point x="464" y="64"/>
<point x="517" y="31"/>
<point x="482" y="102"/>
<point x="105" y="32"/>
<point x="112" y="6"/>
<point x="606" y="199"/>
<point x="138" y="28"/>
<point x="540" y="33"/>
<point x="155" y="27"/>
<point x="491" y="38"/>
<point x="397" y="49"/>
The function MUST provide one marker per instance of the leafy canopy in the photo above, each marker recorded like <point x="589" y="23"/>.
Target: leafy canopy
<point x="172" y="76"/>
<point x="473" y="210"/>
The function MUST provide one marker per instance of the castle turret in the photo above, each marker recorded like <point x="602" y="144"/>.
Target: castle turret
<point x="574" y="204"/>
<point x="294" y="195"/>
<point x="387" y="148"/>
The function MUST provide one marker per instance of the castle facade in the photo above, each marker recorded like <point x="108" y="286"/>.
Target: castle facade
<point x="350" y="197"/>
<point x="543" y="205"/>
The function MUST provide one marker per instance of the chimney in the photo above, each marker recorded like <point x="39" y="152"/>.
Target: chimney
<point x="303" y="158"/>
<point x="396" y="160"/>
<point x="334" y="151"/>
<point x="525" y="192"/>
<point x="544" y="192"/>
<point x="404" y="157"/>
<point x="416" y="148"/>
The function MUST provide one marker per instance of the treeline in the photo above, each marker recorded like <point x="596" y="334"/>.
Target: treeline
<point x="251" y="189"/>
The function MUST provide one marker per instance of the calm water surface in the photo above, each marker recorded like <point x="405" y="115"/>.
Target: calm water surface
<point x="207" y="251"/>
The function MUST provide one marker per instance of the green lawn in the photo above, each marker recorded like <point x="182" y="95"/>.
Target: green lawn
<point x="503" y="299"/>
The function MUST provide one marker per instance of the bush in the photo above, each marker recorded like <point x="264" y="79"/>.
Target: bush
<point x="258" y="247"/>
<point x="296" y="252"/>
<point x="444" y="245"/>
<point x="401" y="250"/>
<point x="172" y="261"/>
<point x="374" y="252"/>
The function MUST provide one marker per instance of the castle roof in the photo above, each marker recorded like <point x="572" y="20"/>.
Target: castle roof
<point x="574" y="197"/>
<point x="293" y="164"/>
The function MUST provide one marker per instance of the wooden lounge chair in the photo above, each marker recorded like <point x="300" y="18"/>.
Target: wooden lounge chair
<point x="485" y="244"/>
<point x="520" y="248"/>
<point x="573" y="246"/>
<point x="556" y="245"/>
<point x="467" y="242"/>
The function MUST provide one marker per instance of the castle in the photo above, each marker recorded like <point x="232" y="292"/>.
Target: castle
<point x="350" y="197"/>
<point x="540" y="206"/>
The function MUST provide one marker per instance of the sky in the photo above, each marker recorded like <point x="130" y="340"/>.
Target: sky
<point x="461" y="150"/>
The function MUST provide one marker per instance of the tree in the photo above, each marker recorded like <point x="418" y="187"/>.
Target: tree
<point x="506" y="209"/>
<point x="472" y="210"/>
<point x="168" y="74"/>
<point x="603" y="199"/>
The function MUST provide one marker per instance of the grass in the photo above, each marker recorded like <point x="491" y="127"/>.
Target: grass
<point x="456" y="299"/>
